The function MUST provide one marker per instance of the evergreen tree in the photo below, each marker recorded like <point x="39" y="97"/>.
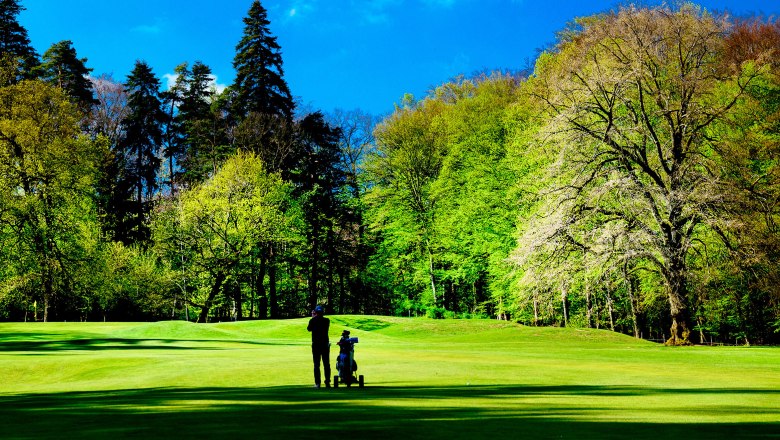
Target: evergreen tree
<point x="140" y="150"/>
<point x="202" y="124"/>
<point x="15" y="45"/>
<point x="259" y="85"/>
<point x="321" y="180"/>
<point x="61" y="67"/>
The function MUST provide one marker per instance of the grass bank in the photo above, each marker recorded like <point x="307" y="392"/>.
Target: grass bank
<point x="424" y="379"/>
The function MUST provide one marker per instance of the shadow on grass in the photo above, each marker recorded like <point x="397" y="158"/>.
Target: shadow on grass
<point x="38" y="342"/>
<point x="506" y="412"/>
<point x="361" y="323"/>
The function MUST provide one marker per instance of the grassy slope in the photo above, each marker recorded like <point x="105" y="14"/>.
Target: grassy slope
<point x="425" y="379"/>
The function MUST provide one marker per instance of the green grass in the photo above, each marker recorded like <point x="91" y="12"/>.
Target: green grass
<point x="424" y="379"/>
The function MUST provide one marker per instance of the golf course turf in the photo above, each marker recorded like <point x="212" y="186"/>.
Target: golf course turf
<point x="424" y="379"/>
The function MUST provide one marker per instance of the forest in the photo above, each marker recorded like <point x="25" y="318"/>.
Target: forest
<point x="629" y="181"/>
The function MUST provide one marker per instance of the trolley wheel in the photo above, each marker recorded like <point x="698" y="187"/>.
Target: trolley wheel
<point x="360" y="381"/>
<point x="335" y="381"/>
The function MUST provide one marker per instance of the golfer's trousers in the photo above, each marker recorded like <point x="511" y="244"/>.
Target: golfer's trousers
<point x="321" y="352"/>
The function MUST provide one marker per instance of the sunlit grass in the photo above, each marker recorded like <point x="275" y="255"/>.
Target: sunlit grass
<point x="424" y="379"/>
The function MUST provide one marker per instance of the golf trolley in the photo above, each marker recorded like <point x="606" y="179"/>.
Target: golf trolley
<point x="345" y="363"/>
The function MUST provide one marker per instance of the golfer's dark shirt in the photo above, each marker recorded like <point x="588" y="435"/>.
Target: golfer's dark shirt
<point x="318" y="326"/>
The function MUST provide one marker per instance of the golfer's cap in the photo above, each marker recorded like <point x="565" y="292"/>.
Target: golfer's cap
<point x="319" y="309"/>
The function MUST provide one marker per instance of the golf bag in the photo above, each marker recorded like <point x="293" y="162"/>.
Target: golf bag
<point x="345" y="363"/>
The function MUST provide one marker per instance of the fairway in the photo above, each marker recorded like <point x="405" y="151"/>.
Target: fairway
<point x="424" y="379"/>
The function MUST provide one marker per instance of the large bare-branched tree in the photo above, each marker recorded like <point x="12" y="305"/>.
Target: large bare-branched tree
<point x="633" y="96"/>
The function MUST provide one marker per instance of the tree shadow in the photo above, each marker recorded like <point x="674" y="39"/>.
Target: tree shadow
<point x="384" y="412"/>
<point x="361" y="323"/>
<point x="33" y="343"/>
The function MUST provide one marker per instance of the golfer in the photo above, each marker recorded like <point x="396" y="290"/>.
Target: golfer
<point x="320" y="344"/>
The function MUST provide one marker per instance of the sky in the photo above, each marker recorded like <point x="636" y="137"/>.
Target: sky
<point x="337" y="54"/>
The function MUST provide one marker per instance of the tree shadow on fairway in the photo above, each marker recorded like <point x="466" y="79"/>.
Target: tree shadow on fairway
<point x="505" y="411"/>
<point x="34" y="343"/>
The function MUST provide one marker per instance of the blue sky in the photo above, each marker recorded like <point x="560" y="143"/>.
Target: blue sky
<point x="337" y="53"/>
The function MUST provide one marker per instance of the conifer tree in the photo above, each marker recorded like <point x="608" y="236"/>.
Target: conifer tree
<point x="173" y="143"/>
<point x="62" y="68"/>
<point x="140" y="149"/>
<point x="321" y="179"/>
<point x="204" y="144"/>
<point x="14" y="43"/>
<point x="260" y="86"/>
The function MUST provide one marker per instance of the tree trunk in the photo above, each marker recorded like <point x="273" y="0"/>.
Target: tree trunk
<point x="588" y="307"/>
<point x="239" y="302"/>
<point x="262" y="306"/>
<point x="331" y="246"/>
<point x="430" y="272"/>
<point x="273" y="300"/>
<point x="630" y="291"/>
<point x="564" y="300"/>
<point x="475" y="296"/>
<point x="252" y="288"/>
<point x="342" y="294"/>
<point x="536" y="308"/>
<point x="678" y="308"/>
<point x="215" y="288"/>
<point x="680" y="329"/>
<point x="701" y="330"/>
<point x="314" y="273"/>
<point x="47" y="294"/>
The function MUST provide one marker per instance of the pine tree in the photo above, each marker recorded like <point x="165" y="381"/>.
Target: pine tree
<point x="204" y="144"/>
<point x="173" y="133"/>
<point x="139" y="151"/>
<point x="321" y="179"/>
<point x="260" y="86"/>
<point x="61" y="67"/>
<point x="15" y="45"/>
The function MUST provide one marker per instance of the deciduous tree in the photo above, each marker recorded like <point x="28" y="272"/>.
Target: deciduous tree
<point x="47" y="175"/>
<point x="220" y="222"/>
<point x="633" y="97"/>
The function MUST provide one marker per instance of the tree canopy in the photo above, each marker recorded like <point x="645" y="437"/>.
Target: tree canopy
<point x="628" y="181"/>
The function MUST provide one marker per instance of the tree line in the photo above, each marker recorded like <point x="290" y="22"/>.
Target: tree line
<point x="126" y="200"/>
<point x="628" y="181"/>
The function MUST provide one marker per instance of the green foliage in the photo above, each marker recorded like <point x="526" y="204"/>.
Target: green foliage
<point x="217" y="225"/>
<point x="47" y="215"/>
<point x="441" y="196"/>
<point x="630" y="183"/>
<point x="635" y="191"/>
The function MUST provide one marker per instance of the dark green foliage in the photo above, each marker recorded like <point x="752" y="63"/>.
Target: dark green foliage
<point x="320" y="182"/>
<point x="259" y="85"/>
<point x="15" y="47"/>
<point x="138" y="154"/>
<point x="197" y="143"/>
<point x="62" y="68"/>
